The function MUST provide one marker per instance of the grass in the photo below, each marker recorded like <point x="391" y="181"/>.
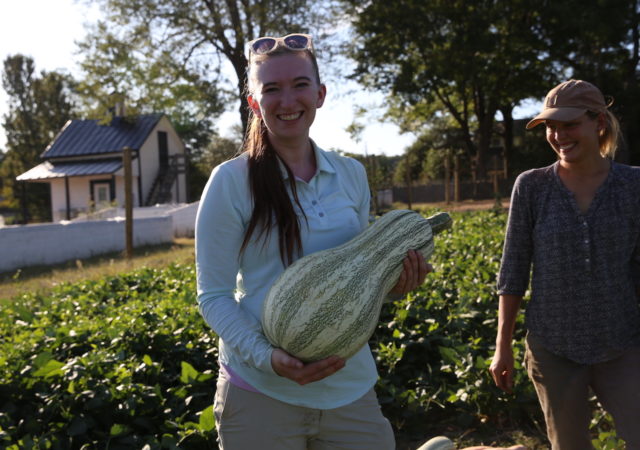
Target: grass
<point x="43" y="278"/>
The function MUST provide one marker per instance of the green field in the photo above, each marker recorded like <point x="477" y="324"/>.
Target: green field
<point x="124" y="360"/>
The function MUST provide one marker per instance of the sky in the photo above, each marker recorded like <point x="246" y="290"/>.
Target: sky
<point x="47" y="30"/>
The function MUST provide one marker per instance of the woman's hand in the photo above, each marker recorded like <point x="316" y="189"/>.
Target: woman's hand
<point x="501" y="369"/>
<point x="292" y="368"/>
<point x="414" y="271"/>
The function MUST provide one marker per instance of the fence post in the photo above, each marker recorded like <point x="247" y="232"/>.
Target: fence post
<point x="128" y="202"/>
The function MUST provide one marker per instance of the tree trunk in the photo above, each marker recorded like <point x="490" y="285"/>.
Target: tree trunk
<point x="507" y="119"/>
<point x="456" y="178"/>
<point x="409" y="193"/>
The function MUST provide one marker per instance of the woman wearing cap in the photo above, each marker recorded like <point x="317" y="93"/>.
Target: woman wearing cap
<point x="576" y="226"/>
<point x="282" y="198"/>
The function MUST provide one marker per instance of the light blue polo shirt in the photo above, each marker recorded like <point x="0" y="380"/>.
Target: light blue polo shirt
<point x="231" y="290"/>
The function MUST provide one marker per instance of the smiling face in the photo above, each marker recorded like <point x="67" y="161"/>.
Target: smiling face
<point x="576" y="140"/>
<point x="285" y="93"/>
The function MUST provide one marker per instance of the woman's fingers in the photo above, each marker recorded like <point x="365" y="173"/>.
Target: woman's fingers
<point x="292" y="368"/>
<point x="414" y="272"/>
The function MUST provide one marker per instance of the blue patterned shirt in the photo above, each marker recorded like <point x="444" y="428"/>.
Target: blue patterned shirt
<point x="584" y="268"/>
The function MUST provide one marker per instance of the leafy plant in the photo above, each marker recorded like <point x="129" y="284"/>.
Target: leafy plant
<point x="127" y="361"/>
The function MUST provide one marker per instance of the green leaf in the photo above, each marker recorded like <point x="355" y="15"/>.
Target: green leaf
<point x="117" y="429"/>
<point x="24" y="313"/>
<point x="449" y="355"/>
<point x="189" y="373"/>
<point x="42" y="359"/>
<point x="50" y="369"/>
<point x="207" y="419"/>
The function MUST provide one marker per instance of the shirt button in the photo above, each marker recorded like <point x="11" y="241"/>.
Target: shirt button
<point x="321" y="214"/>
<point x="587" y="260"/>
<point x="313" y="202"/>
<point x="586" y="241"/>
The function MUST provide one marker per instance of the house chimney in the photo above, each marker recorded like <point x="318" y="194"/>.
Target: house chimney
<point x="119" y="108"/>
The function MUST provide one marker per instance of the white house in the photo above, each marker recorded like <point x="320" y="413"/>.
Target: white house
<point x="84" y="165"/>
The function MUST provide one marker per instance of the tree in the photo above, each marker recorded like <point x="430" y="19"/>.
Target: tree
<point x="191" y="40"/>
<point x="39" y="106"/>
<point x="218" y="150"/>
<point x="465" y="59"/>
<point x="473" y="59"/>
<point x="601" y="44"/>
<point x="130" y="70"/>
<point x="380" y="170"/>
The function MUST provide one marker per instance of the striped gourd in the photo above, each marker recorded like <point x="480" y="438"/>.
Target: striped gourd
<point x="328" y="303"/>
<point x="438" y="443"/>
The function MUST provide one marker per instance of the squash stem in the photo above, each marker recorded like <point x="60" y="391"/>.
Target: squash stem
<point x="440" y="222"/>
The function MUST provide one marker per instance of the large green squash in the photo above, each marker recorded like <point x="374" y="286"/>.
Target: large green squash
<point x="328" y="303"/>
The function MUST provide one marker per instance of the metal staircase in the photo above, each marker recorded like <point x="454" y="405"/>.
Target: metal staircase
<point x="162" y="188"/>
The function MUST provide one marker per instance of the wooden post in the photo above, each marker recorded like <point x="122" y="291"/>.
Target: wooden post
<point x="408" y="175"/>
<point x="67" y="197"/>
<point x="496" y="173"/>
<point x="447" y="176"/>
<point x="456" y="178"/>
<point x="23" y="201"/>
<point x="128" y="202"/>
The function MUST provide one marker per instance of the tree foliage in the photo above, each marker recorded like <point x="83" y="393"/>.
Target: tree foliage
<point x="601" y="44"/>
<point x="470" y="60"/>
<point x="218" y="150"/>
<point x="463" y="59"/>
<point x="39" y="106"/>
<point x="188" y="45"/>
<point x="130" y="71"/>
<point x="380" y="170"/>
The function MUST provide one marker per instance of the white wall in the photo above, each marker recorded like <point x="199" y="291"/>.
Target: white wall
<point x="58" y="199"/>
<point x="183" y="216"/>
<point x="80" y="194"/>
<point x="44" y="244"/>
<point x="119" y="184"/>
<point x="184" y="220"/>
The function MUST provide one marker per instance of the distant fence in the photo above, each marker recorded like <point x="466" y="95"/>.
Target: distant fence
<point x="434" y="192"/>
<point x="44" y="244"/>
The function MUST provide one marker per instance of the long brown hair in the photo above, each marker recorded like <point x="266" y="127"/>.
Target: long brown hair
<point x="272" y="204"/>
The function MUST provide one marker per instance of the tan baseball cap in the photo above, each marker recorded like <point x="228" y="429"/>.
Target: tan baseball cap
<point x="569" y="100"/>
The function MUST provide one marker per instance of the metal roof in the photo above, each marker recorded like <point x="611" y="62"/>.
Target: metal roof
<point x="89" y="137"/>
<point x="48" y="170"/>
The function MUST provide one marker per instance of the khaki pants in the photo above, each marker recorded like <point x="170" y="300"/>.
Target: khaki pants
<point x="249" y="420"/>
<point x="563" y="391"/>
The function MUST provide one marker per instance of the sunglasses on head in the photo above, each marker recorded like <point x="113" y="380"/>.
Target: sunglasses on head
<point x="296" y="41"/>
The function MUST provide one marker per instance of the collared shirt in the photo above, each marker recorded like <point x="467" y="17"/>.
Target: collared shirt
<point x="584" y="302"/>
<point x="231" y="289"/>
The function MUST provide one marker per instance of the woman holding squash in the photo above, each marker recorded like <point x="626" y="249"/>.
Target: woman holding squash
<point x="282" y="198"/>
<point x="577" y="223"/>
